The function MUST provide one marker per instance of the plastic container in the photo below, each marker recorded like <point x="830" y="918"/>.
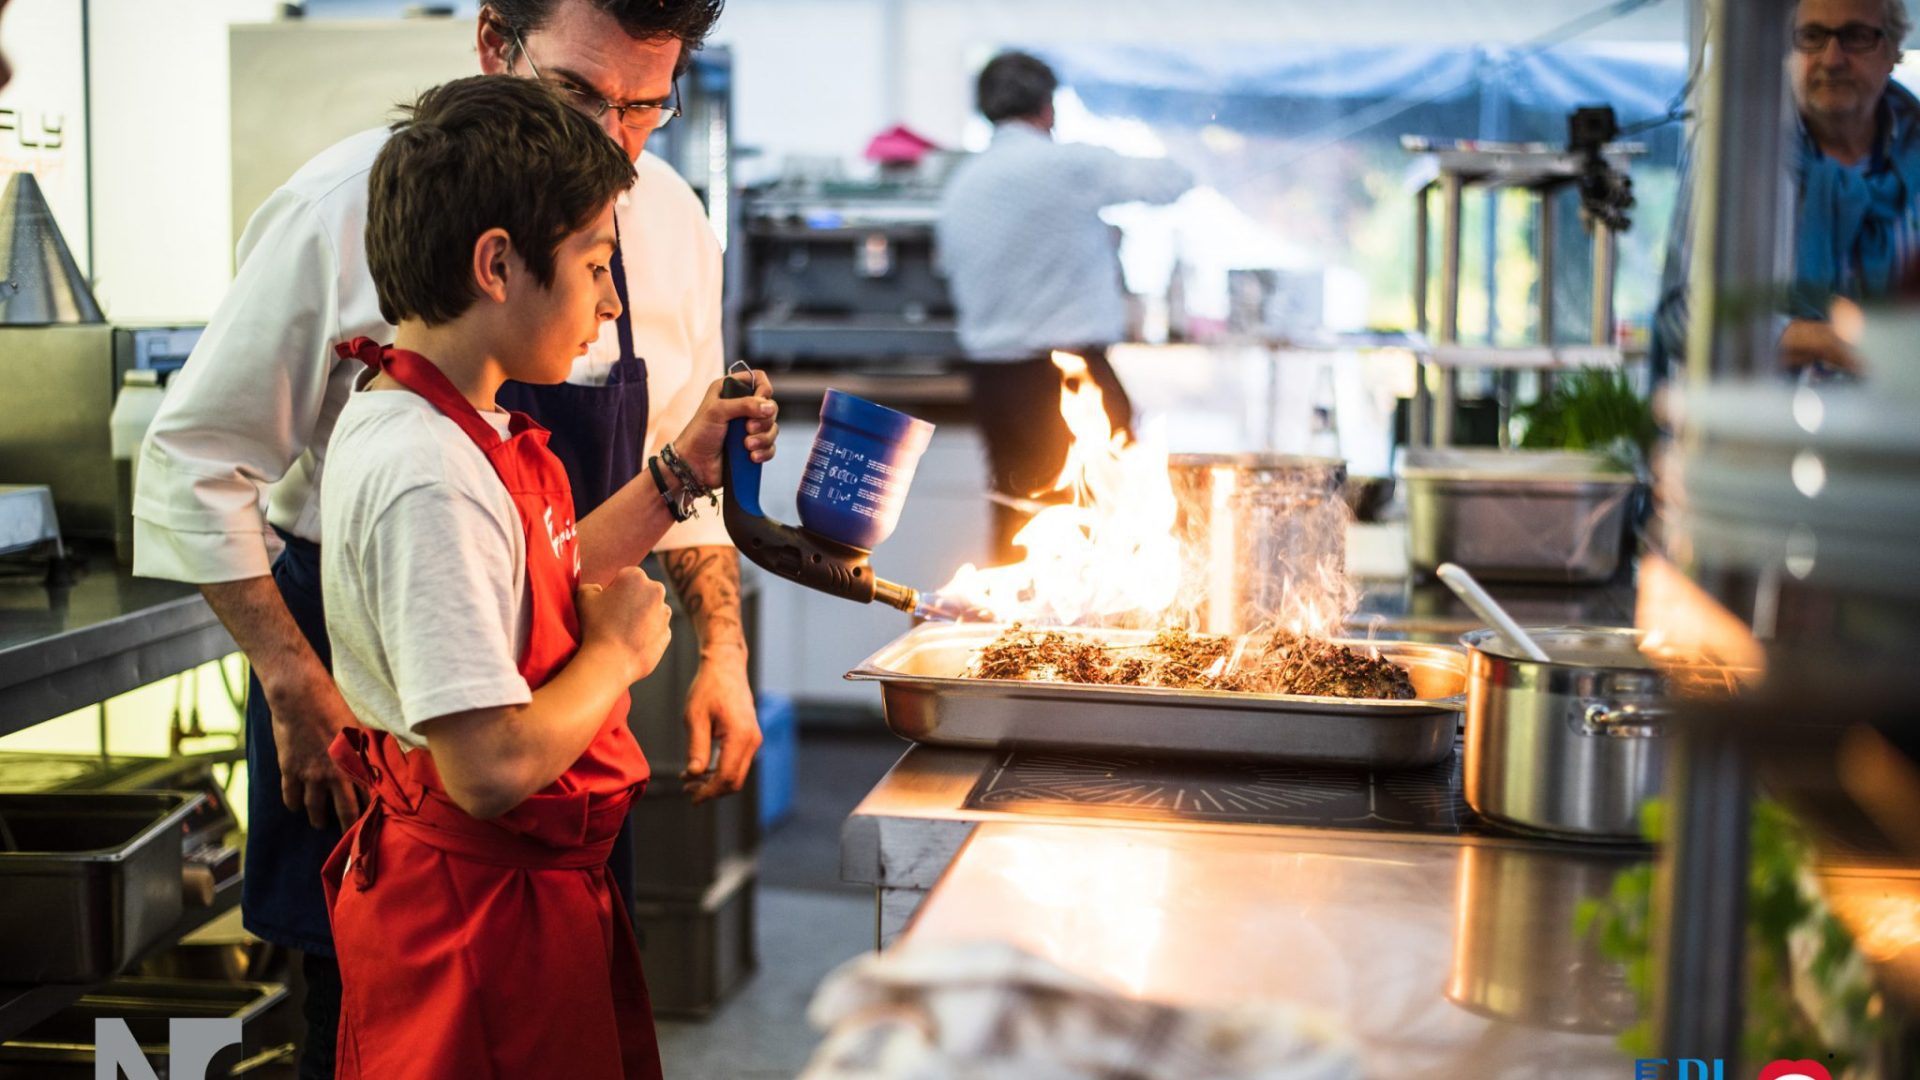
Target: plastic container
<point x="776" y="764"/>
<point x="858" y="474"/>
<point x="141" y="392"/>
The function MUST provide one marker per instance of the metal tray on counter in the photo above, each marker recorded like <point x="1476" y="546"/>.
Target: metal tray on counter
<point x="927" y="700"/>
<point x="88" y="880"/>
<point x="1517" y="515"/>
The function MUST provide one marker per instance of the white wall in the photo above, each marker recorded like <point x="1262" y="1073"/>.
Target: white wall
<point x="164" y="248"/>
<point x="45" y="102"/>
<point x="808" y="77"/>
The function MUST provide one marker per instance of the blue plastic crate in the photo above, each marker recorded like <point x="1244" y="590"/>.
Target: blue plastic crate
<point x="778" y="760"/>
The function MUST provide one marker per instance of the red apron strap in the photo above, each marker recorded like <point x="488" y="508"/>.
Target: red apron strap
<point x="364" y="349"/>
<point x="420" y="375"/>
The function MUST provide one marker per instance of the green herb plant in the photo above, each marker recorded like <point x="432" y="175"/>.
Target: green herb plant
<point x="1808" y="991"/>
<point x="1594" y="409"/>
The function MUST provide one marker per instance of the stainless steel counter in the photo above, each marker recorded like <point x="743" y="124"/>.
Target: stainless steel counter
<point x="1446" y="956"/>
<point x="1442" y="960"/>
<point x="110" y="632"/>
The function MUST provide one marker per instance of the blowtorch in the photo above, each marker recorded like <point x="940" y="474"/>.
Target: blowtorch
<point x="855" y="483"/>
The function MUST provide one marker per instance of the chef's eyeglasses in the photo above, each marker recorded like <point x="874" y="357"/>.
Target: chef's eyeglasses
<point x="1854" y="38"/>
<point x="639" y="116"/>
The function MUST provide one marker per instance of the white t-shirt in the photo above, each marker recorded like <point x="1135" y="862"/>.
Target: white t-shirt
<point x="242" y="437"/>
<point x="425" y="567"/>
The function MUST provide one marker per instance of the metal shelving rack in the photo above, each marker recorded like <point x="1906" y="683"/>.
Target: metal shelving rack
<point x="1450" y="169"/>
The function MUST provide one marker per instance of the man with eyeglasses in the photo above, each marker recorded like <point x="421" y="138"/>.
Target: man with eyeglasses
<point x="1855" y="177"/>
<point x="232" y="465"/>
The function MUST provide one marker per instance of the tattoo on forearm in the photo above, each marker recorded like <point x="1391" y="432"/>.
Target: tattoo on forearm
<point x="707" y="580"/>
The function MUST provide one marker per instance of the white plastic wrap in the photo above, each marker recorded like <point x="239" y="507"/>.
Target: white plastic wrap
<point x="991" y="1011"/>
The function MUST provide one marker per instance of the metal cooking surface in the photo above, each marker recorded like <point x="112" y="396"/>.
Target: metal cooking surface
<point x="1426" y="800"/>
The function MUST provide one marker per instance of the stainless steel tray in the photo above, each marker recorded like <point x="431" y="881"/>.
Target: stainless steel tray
<point x="1516" y="515"/>
<point x="87" y="880"/>
<point x="927" y="700"/>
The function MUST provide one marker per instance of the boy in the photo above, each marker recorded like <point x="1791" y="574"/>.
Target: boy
<point x="471" y="905"/>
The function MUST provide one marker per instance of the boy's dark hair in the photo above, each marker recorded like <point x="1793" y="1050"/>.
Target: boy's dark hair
<point x="1014" y="85"/>
<point x="488" y="151"/>
<point x="687" y="21"/>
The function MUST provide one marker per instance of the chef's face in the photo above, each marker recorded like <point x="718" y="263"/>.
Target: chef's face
<point x="1831" y="83"/>
<point x="583" y="51"/>
<point x="560" y="321"/>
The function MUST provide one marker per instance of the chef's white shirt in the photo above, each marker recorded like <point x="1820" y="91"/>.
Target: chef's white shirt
<point x="424" y="570"/>
<point x="241" y="436"/>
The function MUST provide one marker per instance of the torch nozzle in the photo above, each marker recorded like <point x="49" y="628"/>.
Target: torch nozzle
<point x="934" y="607"/>
<point x="896" y="596"/>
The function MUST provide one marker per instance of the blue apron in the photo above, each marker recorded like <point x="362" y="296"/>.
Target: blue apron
<point x="599" y="435"/>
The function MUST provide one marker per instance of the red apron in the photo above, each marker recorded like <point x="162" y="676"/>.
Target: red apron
<point x="478" y="949"/>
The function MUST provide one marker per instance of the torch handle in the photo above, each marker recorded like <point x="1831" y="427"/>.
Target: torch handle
<point x="740" y="477"/>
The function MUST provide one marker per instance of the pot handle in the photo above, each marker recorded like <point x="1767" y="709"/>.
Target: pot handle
<point x="1624" y="721"/>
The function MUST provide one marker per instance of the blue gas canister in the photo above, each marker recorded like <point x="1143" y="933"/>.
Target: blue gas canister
<point x="851" y="494"/>
<point x="859" y="471"/>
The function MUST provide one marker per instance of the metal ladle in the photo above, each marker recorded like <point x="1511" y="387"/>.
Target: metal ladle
<point x="1483" y="605"/>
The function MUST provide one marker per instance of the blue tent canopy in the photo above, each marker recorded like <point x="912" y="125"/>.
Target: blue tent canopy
<point x="1379" y="92"/>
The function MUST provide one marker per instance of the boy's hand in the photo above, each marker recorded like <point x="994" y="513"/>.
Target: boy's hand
<point x="626" y="621"/>
<point x="704" y="440"/>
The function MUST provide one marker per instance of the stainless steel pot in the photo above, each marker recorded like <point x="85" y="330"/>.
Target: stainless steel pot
<point x="1260" y="535"/>
<point x="1571" y="747"/>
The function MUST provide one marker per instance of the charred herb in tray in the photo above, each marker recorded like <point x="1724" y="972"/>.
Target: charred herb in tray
<point x="1272" y="662"/>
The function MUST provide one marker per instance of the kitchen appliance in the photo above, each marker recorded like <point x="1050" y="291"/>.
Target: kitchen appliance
<point x="40" y="284"/>
<point x="1570" y="747"/>
<point x="1132" y="787"/>
<point x="837" y="271"/>
<point x="1259" y="534"/>
<point x="927" y="699"/>
<point x="856" y="480"/>
<point x="63" y="383"/>
<point x="1517" y="515"/>
<point x="90" y="879"/>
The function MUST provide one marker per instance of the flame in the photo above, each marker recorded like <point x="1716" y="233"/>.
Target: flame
<point x="1108" y="553"/>
<point x="1116" y="551"/>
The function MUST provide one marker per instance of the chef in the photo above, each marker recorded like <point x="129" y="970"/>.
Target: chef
<point x="232" y="466"/>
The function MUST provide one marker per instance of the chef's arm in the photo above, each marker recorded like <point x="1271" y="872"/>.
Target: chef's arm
<point x="306" y="706"/>
<point x="492" y="759"/>
<point x="707" y="581"/>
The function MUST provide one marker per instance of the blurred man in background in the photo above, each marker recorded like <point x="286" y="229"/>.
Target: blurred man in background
<point x="1034" y="268"/>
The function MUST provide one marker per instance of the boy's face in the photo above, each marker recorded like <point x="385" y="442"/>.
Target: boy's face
<point x="555" y="325"/>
